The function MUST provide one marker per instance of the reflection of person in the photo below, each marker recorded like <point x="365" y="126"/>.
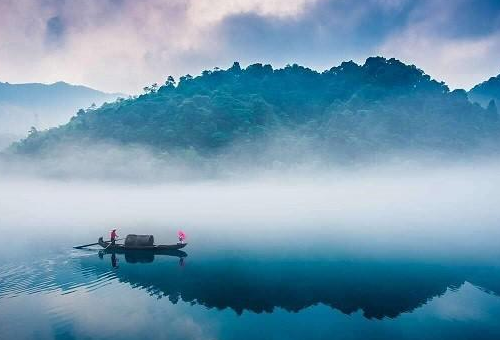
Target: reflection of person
<point x="181" y="261"/>
<point x="114" y="261"/>
<point x="113" y="236"/>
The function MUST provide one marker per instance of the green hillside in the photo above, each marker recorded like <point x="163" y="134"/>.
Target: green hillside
<point x="350" y="109"/>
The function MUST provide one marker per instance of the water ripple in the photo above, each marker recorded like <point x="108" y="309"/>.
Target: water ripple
<point x="59" y="274"/>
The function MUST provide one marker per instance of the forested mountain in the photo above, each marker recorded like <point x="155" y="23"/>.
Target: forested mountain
<point x="42" y="106"/>
<point x="351" y="109"/>
<point x="486" y="91"/>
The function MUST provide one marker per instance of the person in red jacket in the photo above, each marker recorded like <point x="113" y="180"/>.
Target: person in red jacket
<point x="113" y="236"/>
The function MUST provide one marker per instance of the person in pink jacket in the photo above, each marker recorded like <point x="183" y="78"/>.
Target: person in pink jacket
<point x="113" y="236"/>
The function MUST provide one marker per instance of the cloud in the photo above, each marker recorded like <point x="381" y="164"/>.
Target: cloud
<point x="117" y="44"/>
<point x="206" y="11"/>
<point x="55" y="29"/>
<point x="441" y="39"/>
<point x="122" y="45"/>
<point x="464" y="63"/>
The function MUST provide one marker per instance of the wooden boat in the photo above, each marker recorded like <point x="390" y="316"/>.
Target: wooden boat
<point x="156" y="248"/>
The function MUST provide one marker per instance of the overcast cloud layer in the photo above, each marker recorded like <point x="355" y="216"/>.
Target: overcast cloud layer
<point x="122" y="45"/>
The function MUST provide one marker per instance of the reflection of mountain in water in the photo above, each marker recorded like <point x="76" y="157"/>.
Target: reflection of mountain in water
<point x="379" y="289"/>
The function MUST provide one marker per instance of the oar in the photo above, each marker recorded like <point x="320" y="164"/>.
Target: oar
<point x="93" y="244"/>
<point x="109" y="245"/>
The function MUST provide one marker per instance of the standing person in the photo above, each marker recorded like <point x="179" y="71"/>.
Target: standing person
<point x="181" y="236"/>
<point x="113" y="236"/>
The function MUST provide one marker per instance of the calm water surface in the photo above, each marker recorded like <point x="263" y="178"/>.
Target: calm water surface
<point x="294" y="289"/>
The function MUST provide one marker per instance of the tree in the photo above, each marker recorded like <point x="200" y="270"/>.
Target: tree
<point x="33" y="131"/>
<point x="170" y="81"/>
<point x="185" y="78"/>
<point x="151" y="89"/>
<point x="236" y="67"/>
<point x="492" y="110"/>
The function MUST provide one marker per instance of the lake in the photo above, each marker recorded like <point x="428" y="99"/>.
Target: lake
<point x="248" y="291"/>
<point x="349" y="259"/>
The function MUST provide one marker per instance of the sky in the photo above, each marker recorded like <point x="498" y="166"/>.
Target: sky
<point x="123" y="45"/>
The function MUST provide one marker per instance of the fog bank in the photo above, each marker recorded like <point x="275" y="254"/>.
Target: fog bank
<point x="283" y="154"/>
<point x="452" y="204"/>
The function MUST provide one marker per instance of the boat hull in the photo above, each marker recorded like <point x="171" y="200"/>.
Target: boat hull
<point x="157" y="248"/>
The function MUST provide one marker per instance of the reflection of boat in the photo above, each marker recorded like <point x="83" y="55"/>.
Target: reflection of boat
<point x="156" y="248"/>
<point x="140" y="256"/>
<point x="144" y="254"/>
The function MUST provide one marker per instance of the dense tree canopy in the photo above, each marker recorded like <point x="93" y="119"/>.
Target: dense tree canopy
<point x="381" y="105"/>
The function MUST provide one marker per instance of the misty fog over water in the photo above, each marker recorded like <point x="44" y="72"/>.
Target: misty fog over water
<point x="396" y="248"/>
<point x="410" y="205"/>
<point x="392" y="245"/>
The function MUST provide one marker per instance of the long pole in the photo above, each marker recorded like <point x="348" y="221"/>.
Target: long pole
<point x="93" y="244"/>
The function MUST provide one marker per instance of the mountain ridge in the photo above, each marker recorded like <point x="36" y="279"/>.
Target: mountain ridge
<point x="42" y="106"/>
<point x="8" y="89"/>
<point x="349" y="109"/>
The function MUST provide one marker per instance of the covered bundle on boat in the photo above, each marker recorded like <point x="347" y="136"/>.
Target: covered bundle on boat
<point x="133" y="240"/>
